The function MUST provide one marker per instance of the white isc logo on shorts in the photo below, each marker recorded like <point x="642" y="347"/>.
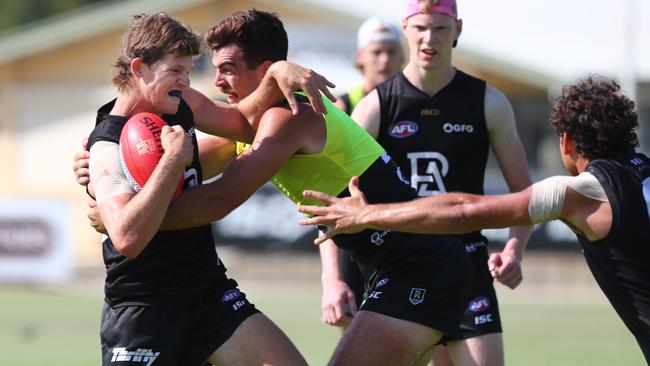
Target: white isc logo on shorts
<point x="427" y="182"/>
<point x="146" y="356"/>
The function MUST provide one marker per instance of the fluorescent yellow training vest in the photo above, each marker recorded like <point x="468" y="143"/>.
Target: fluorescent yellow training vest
<point x="348" y="152"/>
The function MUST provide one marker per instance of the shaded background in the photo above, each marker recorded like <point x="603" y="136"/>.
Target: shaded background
<point x="55" y="71"/>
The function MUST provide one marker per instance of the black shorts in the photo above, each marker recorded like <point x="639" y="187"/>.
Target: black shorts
<point x="482" y="311"/>
<point x="425" y="279"/>
<point x="353" y="275"/>
<point x="185" y="334"/>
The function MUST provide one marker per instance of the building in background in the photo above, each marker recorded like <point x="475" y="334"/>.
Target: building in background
<point x="54" y="74"/>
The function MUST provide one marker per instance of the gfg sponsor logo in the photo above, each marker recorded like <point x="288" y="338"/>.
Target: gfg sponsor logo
<point x="479" y="304"/>
<point x="457" y="128"/>
<point x="403" y="129"/>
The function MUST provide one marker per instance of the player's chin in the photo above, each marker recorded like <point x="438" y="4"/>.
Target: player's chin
<point x="170" y="106"/>
<point x="232" y="98"/>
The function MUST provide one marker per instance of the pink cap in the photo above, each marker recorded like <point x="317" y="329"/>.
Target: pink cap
<point x="447" y="7"/>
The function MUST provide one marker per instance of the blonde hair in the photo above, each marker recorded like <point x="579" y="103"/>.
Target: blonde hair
<point x="151" y="37"/>
<point x="426" y="5"/>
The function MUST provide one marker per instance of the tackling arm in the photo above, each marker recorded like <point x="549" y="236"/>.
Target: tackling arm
<point x="279" y="136"/>
<point x="452" y="213"/>
<point x="238" y="122"/>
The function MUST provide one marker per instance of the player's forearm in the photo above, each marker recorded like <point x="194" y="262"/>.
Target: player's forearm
<point x="425" y="216"/>
<point x="454" y="213"/>
<point x="266" y="95"/>
<point x="518" y="239"/>
<point x="217" y="118"/>
<point x="198" y="206"/>
<point x="329" y="257"/>
<point x="214" y="154"/>
<point x="132" y="226"/>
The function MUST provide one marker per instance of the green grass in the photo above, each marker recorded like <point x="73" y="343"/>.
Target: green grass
<point x="41" y="328"/>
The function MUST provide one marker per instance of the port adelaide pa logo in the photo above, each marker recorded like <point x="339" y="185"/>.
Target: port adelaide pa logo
<point x="403" y="129"/>
<point x="417" y="295"/>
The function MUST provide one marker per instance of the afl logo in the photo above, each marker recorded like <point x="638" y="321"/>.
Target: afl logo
<point x="230" y="295"/>
<point x="479" y="304"/>
<point x="403" y="129"/>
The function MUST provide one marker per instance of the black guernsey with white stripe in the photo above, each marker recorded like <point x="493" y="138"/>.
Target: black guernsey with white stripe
<point x="440" y="142"/>
<point x="620" y="262"/>
<point x="176" y="266"/>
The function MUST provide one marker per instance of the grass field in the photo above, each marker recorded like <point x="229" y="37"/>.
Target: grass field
<point x="59" y="325"/>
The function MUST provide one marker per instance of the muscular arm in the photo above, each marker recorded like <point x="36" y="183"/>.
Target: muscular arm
<point x="133" y="219"/>
<point x="238" y="122"/>
<point x="368" y="113"/>
<point x="510" y="155"/>
<point x="580" y="201"/>
<point x="279" y="136"/>
<point x="452" y="213"/>
<point x="214" y="154"/>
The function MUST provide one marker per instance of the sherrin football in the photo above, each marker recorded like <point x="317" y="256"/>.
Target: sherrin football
<point x="141" y="149"/>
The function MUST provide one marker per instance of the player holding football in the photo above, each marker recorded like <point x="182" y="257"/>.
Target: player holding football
<point x="421" y="283"/>
<point x="605" y="200"/>
<point x="167" y="298"/>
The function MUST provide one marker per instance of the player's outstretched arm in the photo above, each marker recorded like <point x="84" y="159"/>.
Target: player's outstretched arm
<point x="452" y="213"/>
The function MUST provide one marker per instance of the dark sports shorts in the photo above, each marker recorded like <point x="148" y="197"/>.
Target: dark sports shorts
<point x="424" y="279"/>
<point x="184" y="334"/>
<point x="352" y="275"/>
<point x="482" y="311"/>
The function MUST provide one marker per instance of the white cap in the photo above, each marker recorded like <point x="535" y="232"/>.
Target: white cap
<point x="377" y="30"/>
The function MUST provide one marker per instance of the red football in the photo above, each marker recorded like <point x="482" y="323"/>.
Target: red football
<point x="141" y="149"/>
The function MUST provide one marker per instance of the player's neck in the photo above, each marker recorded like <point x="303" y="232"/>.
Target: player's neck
<point x="128" y="105"/>
<point x="581" y="163"/>
<point x="429" y="81"/>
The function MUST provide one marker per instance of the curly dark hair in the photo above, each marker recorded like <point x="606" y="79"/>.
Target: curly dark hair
<point x="260" y="35"/>
<point x="598" y="117"/>
<point x="151" y="37"/>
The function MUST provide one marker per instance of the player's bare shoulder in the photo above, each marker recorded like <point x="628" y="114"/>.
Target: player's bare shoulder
<point x="499" y="115"/>
<point x="368" y="113"/>
<point x="305" y="130"/>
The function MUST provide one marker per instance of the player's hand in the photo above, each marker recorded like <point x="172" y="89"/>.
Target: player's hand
<point x="291" y="77"/>
<point x="80" y="164"/>
<point x="338" y="304"/>
<point x="93" y="217"/>
<point x="340" y="215"/>
<point x="177" y="144"/>
<point x="505" y="267"/>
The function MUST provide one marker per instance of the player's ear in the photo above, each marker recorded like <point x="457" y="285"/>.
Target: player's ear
<point x="265" y="65"/>
<point x="136" y="67"/>
<point x="566" y="144"/>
